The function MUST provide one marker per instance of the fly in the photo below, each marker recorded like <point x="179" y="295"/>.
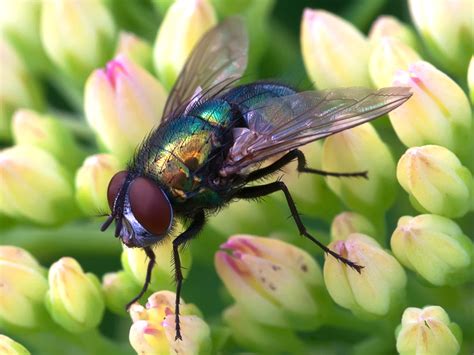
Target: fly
<point x="214" y="135"/>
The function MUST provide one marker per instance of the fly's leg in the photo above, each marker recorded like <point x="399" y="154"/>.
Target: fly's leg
<point x="151" y="263"/>
<point x="298" y="154"/>
<point x="267" y="189"/>
<point x="193" y="229"/>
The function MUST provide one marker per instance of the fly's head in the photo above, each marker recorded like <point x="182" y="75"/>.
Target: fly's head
<point x="141" y="210"/>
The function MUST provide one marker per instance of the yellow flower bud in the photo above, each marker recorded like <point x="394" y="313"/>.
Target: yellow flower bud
<point x="47" y="133"/>
<point x="77" y="35"/>
<point x="92" y="181"/>
<point x="377" y="289"/>
<point x="136" y="49"/>
<point x="326" y="41"/>
<point x="153" y="329"/>
<point x="74" y="299"/>
<point x="450" y="42"/>
<point x="135" y="261"/>
<point x="470" y="79"/>
<point x="123" y="102"/>
<point x="273" y="282"/>
<point x="436" y="181"/>
<point x="347" y="223"/>
<point x="184" y="24"/>
<point x="18" y="89"/>
<point x="389" y="26"/>
<point x="24" y="285"/>
<point x="437" y="113"/>
<point x="119" y="288"/>
<point x="34" y="186"/>
<point x="348" y="151"/>
<point x="387" y="57"/>
<point x="428" y="330"/>
<point x="10" y="347"/>
<point x="433" y="246"/>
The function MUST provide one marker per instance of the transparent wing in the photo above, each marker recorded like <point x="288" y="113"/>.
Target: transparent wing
<point x="216" y="63"/>
<point x="281" y="124"/>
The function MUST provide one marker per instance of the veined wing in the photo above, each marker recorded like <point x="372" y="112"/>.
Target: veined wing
<point x="215" y="64"/>
<point x="285" y="123"/>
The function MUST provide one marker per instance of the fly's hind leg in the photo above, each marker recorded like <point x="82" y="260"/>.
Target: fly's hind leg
<point x="193" y="229"/>
<point x="298" y="154"/>
<point x="267" y="189"/>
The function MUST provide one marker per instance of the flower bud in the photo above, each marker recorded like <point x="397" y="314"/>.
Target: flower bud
<point x="77" y="35"/>
<point x="258" y="337"/>
<point x="47" y="133"/>
<point x="273" y="282"/>
<point x="92" y="181"/>
<point x="10" y="347"/>
<point x="18" y="89"/>
<point x="123" y="102"/>
<point x="34" y="186"/>
<point x="335" y="53"/>
<point x="153" y="329"/>
<point x="451" y="42"/>
<point x="470" y="79"/>
<point x="374" y="291"/>
<point x="428" y="331"/>
<point x="135" y="262"/>
<point x="389" y="26"/>
<point x="433" y="246"/>
<point x="435" y="180"/>
<point x="74" y="299"/>
<point x="184" y="24"/>
<point x="348" y="151"/>
<point x="135" y="49"/>
<point x="347" y="223"/>
<point x="388" y="56"/>
<point x="119" y="288"/>
<point x="23" y="286"/>
<point x="441" y="108"/>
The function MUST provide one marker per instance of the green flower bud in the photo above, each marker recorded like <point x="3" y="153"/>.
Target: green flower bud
<point x="436" y="181"/>
<point x="347" y="223"/>
<point x="273" y="282"/>
<point x="47" y="133"/>
<point x="389" y="26"/>
<point x="184" y="24"/>
<point x="326" y="40"/>
<point x="10" y="347"/>
<point x="19" y="24"/>
<point x="347" y="152"/>
<point x="428" y="331"/>
<point x="123" y="102"/>
<point x="34" y="186"/>
<point x="135" y="49"/>
<point x="92" y="181"/>
<point x="433" y="246"/>
<point x="74" y="299"/>
<point x="23" y="286"/>
<point x="258" y="337"/>
<point x="387" y="57"/>
<point x="153" y="329"/>
<point x="441" y="108"/>
<point x="18" y="89"/>
<point x="450" y="42"/>
<point x="119" y="288"/>
<point x="78" y="36"/>
<point x="135" y="261"/>
<point x="470" y="79"/>
<point x="379" y="286"/>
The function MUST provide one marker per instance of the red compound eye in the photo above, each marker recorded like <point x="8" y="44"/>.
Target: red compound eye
<point x="115" y="185"/>
<point x="150" y="206"/>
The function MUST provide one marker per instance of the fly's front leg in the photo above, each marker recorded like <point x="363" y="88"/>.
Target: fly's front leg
<point x="288" y="158"/>
<point x="267" y="189"/>
<point x="151" y="263"/>
<point x="193" y="229"/>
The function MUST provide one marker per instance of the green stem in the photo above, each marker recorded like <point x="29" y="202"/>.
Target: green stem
<point x="362" y="12"/>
